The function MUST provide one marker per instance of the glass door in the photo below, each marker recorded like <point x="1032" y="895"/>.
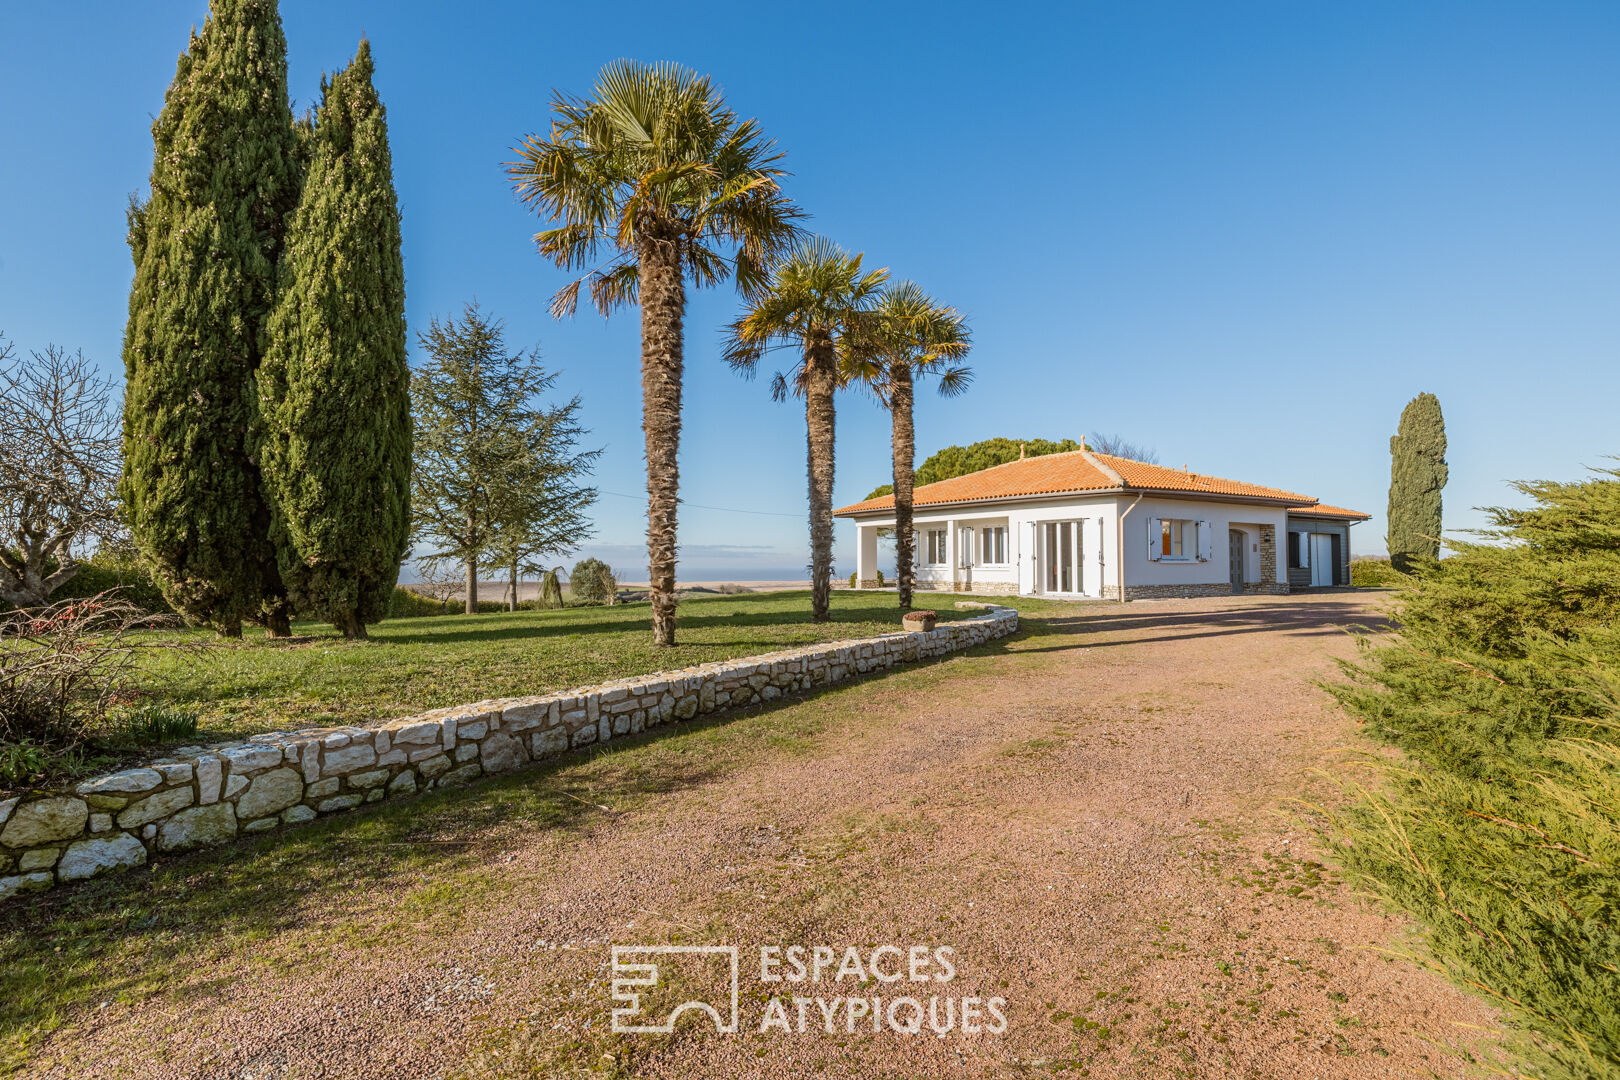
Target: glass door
<point x="1062" y="560"/>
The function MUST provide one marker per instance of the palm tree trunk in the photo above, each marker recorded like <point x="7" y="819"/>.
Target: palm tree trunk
<point x="821" y="370"/>
<point x="663" y="307"/>
<point x="904" y="443"/>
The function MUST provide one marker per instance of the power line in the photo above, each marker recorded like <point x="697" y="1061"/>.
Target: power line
<point x="700" y="506"/>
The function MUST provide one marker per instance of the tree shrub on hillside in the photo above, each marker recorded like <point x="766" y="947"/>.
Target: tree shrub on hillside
<point x="961" y="460"/>
<point x="550" y="590"/>
<point x="591" y="581"/>
<point x="410" y="604"/>
<point x="1375" y="574"/>
<point x="119" y="570"/>
<point x="1502" y="837"/>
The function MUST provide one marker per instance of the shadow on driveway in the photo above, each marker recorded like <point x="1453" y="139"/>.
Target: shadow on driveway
<point x="1149" y="621"/>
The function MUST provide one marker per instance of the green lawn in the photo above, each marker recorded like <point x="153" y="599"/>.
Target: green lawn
<point x="410" y="665"/>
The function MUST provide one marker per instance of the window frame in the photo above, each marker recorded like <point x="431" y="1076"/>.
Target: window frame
<point x="993" y="543"/>
<point x="1173" y="533"/>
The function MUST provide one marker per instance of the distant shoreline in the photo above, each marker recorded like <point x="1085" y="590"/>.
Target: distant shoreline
<point x="530" y="590"/>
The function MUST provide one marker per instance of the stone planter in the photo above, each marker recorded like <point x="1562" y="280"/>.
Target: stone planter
<point x="918" y="621"/>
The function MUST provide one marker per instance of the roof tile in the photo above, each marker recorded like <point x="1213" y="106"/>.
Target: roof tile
<point x="1075" y="471"/>
<point x="1323" y="510"/>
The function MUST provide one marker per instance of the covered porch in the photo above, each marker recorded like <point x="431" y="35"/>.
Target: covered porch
<point x="952" y="553"/>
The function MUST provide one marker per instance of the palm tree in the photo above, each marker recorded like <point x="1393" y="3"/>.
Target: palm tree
<point x="813" y="298"/>
<point x="656" y="168"/>
<point x="907" y="336"/>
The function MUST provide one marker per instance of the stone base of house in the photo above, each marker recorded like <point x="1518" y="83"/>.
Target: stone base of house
<point x="989" y="588"/>
<point x="1109" y="592"/>
<point x="1187" y="592"/>
<point x="986" y="588"/>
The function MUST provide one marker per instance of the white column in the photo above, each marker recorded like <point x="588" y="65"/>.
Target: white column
<point x="1077" y="544"/>
<point x="865" y="552"/>
<point x="1099" y="562"/>
<point x="952" y="543"/>
<point x="1029" y="538"/>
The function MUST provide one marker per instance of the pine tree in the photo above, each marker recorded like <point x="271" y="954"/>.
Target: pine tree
<point x="494" y="471"/>
<point x="334" y="388"/>
<point x="1417" y="474"/>
<point x="205" y="244"/>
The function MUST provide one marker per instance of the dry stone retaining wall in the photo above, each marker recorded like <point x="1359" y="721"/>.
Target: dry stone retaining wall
<point x="206" y="795"/>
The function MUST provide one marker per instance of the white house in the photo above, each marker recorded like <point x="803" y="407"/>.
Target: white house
<point x="1084" y="524"/>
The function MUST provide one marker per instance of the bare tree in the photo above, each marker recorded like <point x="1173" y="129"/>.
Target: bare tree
<point x="441" y="579"/>
<point x="60" y="456"/>
<point x="1118" y="446"/>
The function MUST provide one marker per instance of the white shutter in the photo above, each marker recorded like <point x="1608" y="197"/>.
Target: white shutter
<point x="1206" y="542"/>
<point x="1305" y="551"/>
<point x="1155" y="539"/>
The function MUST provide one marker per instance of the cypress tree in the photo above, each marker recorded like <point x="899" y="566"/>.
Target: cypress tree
<point x="334" y="388"/>
<point x="205" y="244"/>
<point x="1417" y="474"/>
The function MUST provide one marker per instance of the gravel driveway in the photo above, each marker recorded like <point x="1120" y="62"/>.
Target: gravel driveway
<point x="1094" y="819"/>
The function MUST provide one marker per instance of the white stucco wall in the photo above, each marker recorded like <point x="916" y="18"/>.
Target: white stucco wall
<point x="1222" y="517"/>
<point x="1099" y="560"/>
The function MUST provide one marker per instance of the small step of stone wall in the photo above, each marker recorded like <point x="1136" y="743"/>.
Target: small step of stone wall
<point x="199" y="796"/>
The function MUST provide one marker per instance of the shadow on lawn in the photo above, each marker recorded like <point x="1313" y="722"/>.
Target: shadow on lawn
<point x="859" y="617"/>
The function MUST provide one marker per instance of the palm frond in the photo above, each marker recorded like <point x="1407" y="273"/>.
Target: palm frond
<point x="566" y="300"/>
<point x="616" y="288"/>
<point x="954" y="381"/>
<point x="655" y="146"/>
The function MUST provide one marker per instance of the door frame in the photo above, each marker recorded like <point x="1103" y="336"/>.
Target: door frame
<point x="1237" y="555"/>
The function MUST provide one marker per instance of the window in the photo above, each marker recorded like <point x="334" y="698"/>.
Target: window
<point x="933" y="543"/>
<point x="1177" y="538"/>
<point x="1294" y="550"/>
<point x="993" y="545"/>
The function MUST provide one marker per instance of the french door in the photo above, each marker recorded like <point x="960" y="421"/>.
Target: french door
<point x="1321" y="559"/>
<point x="1061" y="557"/>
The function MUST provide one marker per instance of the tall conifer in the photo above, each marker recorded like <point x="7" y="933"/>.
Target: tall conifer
<point x="334" y="388"/>
<point x="1417" y="474"/>
<point x="205" y="245"/>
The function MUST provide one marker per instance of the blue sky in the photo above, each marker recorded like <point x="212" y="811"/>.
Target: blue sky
<point x="1245" y="234"/>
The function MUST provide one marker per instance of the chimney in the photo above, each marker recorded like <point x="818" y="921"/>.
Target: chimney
<point x="1020" y="451"/>
<point x="1082" y="442"/>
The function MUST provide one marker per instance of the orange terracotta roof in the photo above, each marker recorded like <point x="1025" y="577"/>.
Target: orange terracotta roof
<point x="1139" y="474"/>
<point x="1321" y="510"/>
<point x="1075" y="471"/>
